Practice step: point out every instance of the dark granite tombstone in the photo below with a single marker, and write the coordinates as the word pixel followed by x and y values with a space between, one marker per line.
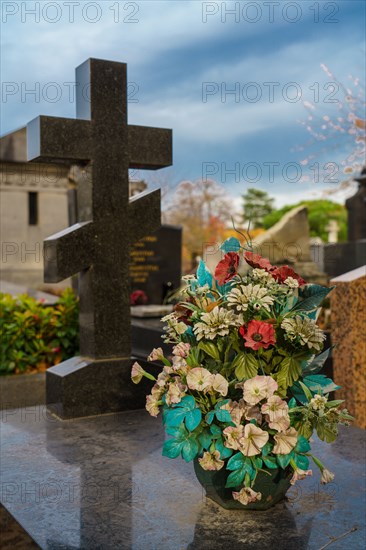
pixel 99 247
pixel 156 263
pixel 356 207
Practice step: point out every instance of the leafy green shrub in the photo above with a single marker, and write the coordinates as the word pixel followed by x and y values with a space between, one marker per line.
pixel 34 336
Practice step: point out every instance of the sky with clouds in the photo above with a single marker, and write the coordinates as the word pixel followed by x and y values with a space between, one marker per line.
pixel 230 79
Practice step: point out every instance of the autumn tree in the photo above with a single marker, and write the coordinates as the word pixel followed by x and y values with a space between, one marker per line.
pixel 203 209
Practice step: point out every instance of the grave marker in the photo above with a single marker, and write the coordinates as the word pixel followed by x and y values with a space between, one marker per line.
pixel 99 248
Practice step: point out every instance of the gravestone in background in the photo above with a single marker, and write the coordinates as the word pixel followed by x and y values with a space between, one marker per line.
pixel 156 263
pixel 98 247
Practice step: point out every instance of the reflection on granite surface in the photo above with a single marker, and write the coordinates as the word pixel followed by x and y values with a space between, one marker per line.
pixel 101 483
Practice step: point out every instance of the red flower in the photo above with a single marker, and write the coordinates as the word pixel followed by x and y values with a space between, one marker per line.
pixel 258 334
pixel 255 260
pixel 227 268
pixel 138 298
pixel 281 274
pixel 183 312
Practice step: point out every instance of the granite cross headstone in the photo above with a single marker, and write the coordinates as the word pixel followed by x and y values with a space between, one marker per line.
pixel 99 249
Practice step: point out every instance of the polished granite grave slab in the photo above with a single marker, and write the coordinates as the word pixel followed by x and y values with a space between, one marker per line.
pixel 101 483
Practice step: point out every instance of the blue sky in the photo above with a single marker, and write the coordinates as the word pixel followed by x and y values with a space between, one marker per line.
pixel 183 59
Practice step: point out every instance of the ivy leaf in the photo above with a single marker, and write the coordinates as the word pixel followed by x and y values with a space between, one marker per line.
pixel 270 462
pixel 301 461
pixel 302 445
pixel 292 403
pixel 236 478
pixel 312 296
pixel 190 449
pixel 205 439
pixel 284 460
pixel 246 366
pixel 222 415
pixel 235 462
pixel 173 417
pixel 193 419
pixel 172 448
pixel 230 245
pixel 257 462
pixel 225 452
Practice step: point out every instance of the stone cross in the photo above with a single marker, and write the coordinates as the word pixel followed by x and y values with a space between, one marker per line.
pixel 99 248
pixel 333 230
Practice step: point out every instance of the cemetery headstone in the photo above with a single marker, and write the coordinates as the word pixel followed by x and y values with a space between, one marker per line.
pixel 155 265
pixel 98 248
pixel 348 317
pixel 356 207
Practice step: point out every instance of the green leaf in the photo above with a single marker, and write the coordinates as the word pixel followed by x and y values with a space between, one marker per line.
pixel 214 429
pixel 193 419
pixel 236 478
pixel 257 462
pixel 210 416
pixel 302 445
pixel 292 403
pixel 312 296
pixel 188 403
pixel 225 452
pixel 246 366
pixel 316 364
pixel 210 349
pixel 270 462
pixel 316 381
pixel 222 415
pixel 236 462
pixel 205 439
pixel 174 417
pixel 172 448
pixel 288 372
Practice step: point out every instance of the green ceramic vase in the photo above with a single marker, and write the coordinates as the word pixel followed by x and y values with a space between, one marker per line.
pixel 273 487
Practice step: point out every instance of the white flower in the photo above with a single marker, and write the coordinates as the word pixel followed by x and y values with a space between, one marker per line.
pixel 263 276
pixel 189 277
pixel 220 384
pixel 179 363
pixel 258 388
pixel 243 296
pixel 174 328
pixel 246 495
pixel 211 461
pixel 290 282
pixel 199 379
pixel 253 440
pixel 216 323
pixel 285 442
pixel 327 476
pixel 305 330
pixel 318 402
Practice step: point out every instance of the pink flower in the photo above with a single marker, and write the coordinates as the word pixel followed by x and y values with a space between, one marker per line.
pixel 181 349
pixel 276 411
pixel 152 405
pixel 246 495
pixel 258 334
pixel 227 268
pixel 255 260
pixel 175 392
pixel 285 442
pixel 220 384
pixel 253 440
pixel 137 372
pixel 211 461
pixel 233 435
pixel 327 476
pixel 300 474
pixel 156 355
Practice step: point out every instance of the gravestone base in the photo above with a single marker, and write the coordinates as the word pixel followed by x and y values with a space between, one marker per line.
pixel 82 387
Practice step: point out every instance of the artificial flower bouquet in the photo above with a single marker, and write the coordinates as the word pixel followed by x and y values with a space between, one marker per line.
pixel 242 390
